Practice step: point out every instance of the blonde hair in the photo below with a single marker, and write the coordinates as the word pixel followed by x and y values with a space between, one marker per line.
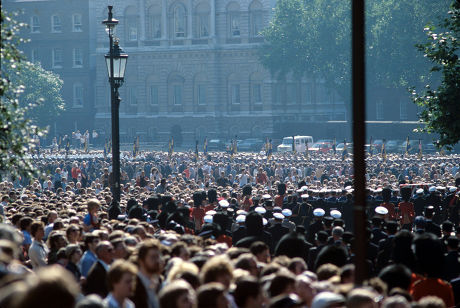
pixel 180 268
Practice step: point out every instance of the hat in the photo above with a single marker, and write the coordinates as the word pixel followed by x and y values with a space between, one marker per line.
pixel 241 212
pixel 264 221
pixel 336 214
pixel 286 212
pixel 452 189
pixel 224 203
pixel 266 196
pixel 211 213
pixel 260 210
pixel 277 209
pixel 326 299
pixel 278 216
pixel 304 196
pixel 240 218
pixel 432 189
pixel 381 210
pixel 208 218
pixel 419 191
pixel 319 212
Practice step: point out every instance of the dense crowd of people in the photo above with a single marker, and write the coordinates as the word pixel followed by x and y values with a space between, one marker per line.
pixel 229 230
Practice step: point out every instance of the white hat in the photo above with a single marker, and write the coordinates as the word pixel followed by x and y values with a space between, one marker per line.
pixel 319 212
pixel 286 212
pixel 266 196
pixel 381 210
pixel 224 203
pixel 304 188
pixel 278 216
pixel 419 191
pixel 240 218
pixel 241 212
pixel 440 187
pixel 326 299
pixel 452 189
pixel 207 218
pixel 260 210
pixel 378 190
pixel 304 196
pixel 264 221
pixel 336 214
pixel 300 190
pixel 432 189
pixel 211 213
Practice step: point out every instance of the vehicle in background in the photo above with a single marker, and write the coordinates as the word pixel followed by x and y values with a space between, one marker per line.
pixel 216 145
pixel 300 144
pixel 339 148
pixel 413 147
pixel 321 147
pixel 377 145
pixel 251 144
pixel 392 146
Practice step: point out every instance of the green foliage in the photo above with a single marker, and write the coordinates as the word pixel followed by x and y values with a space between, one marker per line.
pixel 15 128
pixel 441 106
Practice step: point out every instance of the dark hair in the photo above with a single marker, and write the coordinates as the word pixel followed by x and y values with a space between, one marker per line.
pixel 254 223
pixel 396 276
pixel 280 282
pixel 36 225
pixel 246 288
pixel 429 255
pixel 258 247
pixel 208 294
pixel 24 222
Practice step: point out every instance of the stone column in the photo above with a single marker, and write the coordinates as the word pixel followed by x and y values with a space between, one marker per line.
pixel 190 20
pixel 164 22
pixel 142 19
pixel 213 20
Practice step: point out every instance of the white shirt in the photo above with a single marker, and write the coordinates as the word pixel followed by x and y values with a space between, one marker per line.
pixel 111 302
pixel 38 254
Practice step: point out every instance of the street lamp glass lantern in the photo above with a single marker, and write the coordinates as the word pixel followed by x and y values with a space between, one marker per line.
pixel 119 62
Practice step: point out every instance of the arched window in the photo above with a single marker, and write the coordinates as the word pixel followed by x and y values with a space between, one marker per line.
pixel 179 21
pixel 256 87
pixel 202 20
pixel 200 89
pixel 233 19
pixel 234 88
pixel 154 21
pixel 175 90
pixel 131 24
pixel 255 18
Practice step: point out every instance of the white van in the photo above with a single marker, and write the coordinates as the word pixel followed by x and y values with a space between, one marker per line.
pixel 300 144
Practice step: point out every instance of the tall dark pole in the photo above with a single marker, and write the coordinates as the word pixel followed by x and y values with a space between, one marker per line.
pixel 359 133
pixel 115 104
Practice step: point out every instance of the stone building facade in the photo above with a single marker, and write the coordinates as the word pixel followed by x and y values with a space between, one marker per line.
pixel 193 68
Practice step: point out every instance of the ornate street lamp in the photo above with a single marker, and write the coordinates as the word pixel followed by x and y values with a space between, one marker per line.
pixel 116 65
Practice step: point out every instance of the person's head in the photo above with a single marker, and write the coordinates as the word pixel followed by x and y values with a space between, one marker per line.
pixel 362 298
pixel 73 253
pixel 93 206
pixel 177 294
pixel 431 302
pixel 91 241
pixel 396 276
pixel 149 257
pixel 217 269
pixel 297 266
pixel 248 293
pixel 104 251
pixel 120 278
pixel 180 250
pixel 248 262
pixel 305 289
pixel 347 273
pixel 212 295
pixel 429 254
pixel 396 301
pixel 25 223
pixel 282 283
pixel 328 299
pixel 37 230
pixel 261 251
pixel 91 301
pixel 72 233
pixel 119 248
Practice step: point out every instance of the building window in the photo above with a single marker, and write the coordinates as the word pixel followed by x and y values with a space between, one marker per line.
pixel 291 93
pixel 34 56
pixel 308 93
pixel 34 24
pixel 257 94
pixel 78 95
pixel 203 25
pixel 155 26
pixel 403 110
pixel 132 33
pixel 277 93
pixel 256 23
pixel 154 95
pixel 179 21
pixel 77 23
pixel 201 94
pixel 132 96
pixel 177 94
pixel 235 94
pixel 131 24
pixel 235 24
pixel 57 57
pixel 77 57
pixel 56 25
pixel 379 110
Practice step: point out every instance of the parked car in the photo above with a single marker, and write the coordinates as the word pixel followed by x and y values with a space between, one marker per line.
pixel 216 145
pixel 300 144
pixel 251 144
pixel 413 146
pixel 377 145
pixel 339 148
pixel 392 146
pixel 321 147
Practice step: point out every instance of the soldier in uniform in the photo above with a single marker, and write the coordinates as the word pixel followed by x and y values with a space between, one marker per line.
pixel 430 225
pixel 277 230
pixel 419 202
pixel 317 225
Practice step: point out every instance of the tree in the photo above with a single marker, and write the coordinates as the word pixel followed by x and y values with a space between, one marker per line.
pixel 16 131
pixel 441 106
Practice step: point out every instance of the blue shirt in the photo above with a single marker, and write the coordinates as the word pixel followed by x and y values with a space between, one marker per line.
pixel 27 238
pixel 86 262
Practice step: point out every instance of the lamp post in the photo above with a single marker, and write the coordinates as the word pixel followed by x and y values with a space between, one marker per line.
pixel 116 65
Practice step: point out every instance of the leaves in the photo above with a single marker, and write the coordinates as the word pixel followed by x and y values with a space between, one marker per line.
pixel 441 107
